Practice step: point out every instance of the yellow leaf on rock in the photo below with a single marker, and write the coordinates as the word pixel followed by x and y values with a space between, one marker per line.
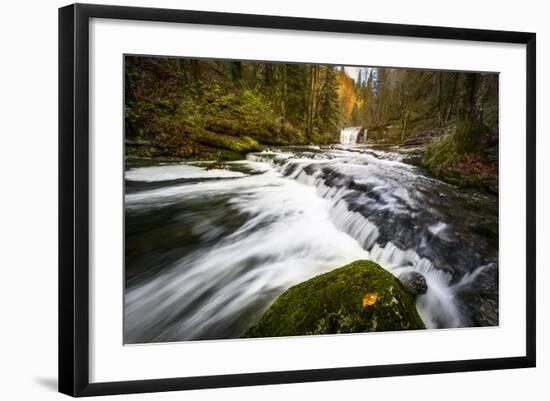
pixel 370 299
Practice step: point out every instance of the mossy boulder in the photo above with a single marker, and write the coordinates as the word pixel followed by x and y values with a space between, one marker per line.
pixel 359 297
pixel 242 144
pixel 467 136
pixel 441 155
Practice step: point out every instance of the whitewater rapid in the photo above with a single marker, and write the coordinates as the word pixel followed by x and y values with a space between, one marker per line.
pixel 209 247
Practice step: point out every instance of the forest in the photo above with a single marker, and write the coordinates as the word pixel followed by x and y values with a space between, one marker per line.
pixel 194 109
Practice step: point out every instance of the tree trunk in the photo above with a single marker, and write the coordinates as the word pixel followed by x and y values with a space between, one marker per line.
pixel 236 71
pixel 195 70
pixel 405 120
pixel 283 96
pixel 268 74
pixel 479 96
pixel 439 100
pixel 469 127
pixel 308 105
pixel 453 95
pixel 312 99
pixel 468 96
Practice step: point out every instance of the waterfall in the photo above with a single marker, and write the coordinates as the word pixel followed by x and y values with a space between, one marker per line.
pixel 348 136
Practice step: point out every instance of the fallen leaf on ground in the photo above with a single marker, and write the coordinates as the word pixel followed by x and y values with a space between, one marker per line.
pixel 370 299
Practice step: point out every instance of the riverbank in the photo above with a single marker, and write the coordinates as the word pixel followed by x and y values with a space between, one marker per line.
pixel 437 149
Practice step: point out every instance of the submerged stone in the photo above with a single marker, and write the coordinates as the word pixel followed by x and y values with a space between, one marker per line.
pixel 359 297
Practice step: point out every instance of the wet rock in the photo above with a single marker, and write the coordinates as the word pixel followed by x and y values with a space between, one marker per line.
pixel 414 282
pixel 478 294
pixel 359 297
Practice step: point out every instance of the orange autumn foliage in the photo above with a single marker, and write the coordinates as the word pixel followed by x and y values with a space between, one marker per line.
pixel 346 93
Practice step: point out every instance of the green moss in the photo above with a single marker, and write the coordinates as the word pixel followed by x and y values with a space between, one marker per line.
pixel 440 158
pixel 446 156
pixel 241 144
pixel 440 155
pixel 333 303
pixel 324 138
pixel 467 136
pixel 224 154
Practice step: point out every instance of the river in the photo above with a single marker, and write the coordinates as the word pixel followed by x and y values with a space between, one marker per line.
pixel 210 245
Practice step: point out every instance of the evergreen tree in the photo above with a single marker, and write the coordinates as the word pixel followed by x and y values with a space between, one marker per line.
pixel 329 110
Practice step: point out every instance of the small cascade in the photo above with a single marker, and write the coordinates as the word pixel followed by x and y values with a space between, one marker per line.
pixel 348 136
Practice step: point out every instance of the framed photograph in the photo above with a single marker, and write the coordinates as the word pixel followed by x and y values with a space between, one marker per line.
pixel 250 199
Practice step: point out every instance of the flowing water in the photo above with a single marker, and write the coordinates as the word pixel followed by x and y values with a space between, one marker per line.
pixel 348 136
pixel 210 246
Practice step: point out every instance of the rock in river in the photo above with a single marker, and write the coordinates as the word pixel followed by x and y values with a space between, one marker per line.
pixel 414 282
pixel 359 297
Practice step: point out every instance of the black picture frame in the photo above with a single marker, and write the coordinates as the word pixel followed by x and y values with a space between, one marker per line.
pixel 74 198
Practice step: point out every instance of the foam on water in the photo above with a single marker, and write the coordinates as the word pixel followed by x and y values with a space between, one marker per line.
pixel 176 171
pixel 288 238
